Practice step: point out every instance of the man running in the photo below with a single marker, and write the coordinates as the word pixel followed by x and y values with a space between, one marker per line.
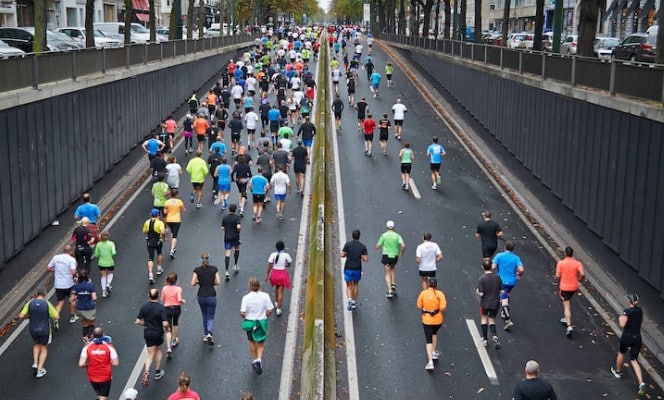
pixel 355 253
pixel 231 226
pixel 152 317
pixel 300 156
pixel 223 176
pixel 281 184
pixel 375 82
pixel 432 303
pixel 368 126
pixel 427 255
pixel 87 209
pixel 392 246
pixel 384 132
pixel 259 186
pixel 362 108
pixel 337 109
pixel 198 170
pixel 489 231
pixel 436 153
pixel 63 267
pixel 99 357
pixel 308 131
pixel 398 113
pixel 570 272
pixel 489 289
pixel 153 229
pixel 510 269
pixel 40 313
pixel 241 174
pixel 630 321
pixel 173 209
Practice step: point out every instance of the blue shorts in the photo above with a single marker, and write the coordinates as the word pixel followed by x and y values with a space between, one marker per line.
pixel 352 275
pixel 307 142
pixel 506 293
pixel 281 197
pixel 375 85
pixel 230 245
pixel 224 186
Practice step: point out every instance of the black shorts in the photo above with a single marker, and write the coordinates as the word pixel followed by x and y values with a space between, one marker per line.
pixel 108 269
pixel 351 91
pixel 175 228
pixel 566 295
pixel 428 274
pixel 274 126
pixel 242 188
pixel 405 168
pixel 235 137
pixel 200 138
pixel 258 198
pixel 152 250
pixel 337 115
pixel 430 331
pixel 488 252
pixel 221 125
pixel 152 341
pixel 101 388
pixel 398 122
pixel 434 166
pixel 197 185
pixel 368 138
pixel 387 260
pixel 62 294
pixel 299 168
pixel 41 339
pixel 491 313
pixel 631 342
pixel 383 136
pixel 388 76
pixel 173 315
pixel 251 131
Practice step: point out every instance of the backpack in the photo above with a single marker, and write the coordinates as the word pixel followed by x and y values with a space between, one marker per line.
pixel 152 238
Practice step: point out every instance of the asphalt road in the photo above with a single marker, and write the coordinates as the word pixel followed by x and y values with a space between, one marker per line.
pixel 388 336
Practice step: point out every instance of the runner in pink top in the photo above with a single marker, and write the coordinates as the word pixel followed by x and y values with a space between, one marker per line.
pixel 171 296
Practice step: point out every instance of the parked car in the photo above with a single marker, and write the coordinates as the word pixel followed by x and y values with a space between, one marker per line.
pixel 522 40
pixel 493 38
pixel 7 51
pixel 547 41
pixel 139 34
pixel 23 38
pixel 603 47
pixel 569 45
pixel 214 30
pixel 101 40
pixel 636 47
pixel 63 41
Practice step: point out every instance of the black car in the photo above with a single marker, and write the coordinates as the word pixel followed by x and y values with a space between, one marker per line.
pixel 23 38
pixel 636 47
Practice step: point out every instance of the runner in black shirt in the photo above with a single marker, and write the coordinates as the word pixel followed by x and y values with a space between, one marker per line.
pixel 362 109
pixel 240 175
pixel 489 288
pixel 533 388
pixel 489 231
pixel 231 226
pixel 355 253
pixel 630 321
pixel 152 316
pixel 300 155
pixel 337 109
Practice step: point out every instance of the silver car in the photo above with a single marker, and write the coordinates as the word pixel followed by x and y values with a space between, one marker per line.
pixel 7 51
pixel 569 44
pixel 101 40
pixel 603 47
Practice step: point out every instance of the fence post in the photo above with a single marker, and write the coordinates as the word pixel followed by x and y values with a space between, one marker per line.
pixel 145 54
pixel 161 51
pixel 127 48
pixel 543 65
pixel 501 57
pixel 35 71
pixel 472 51
pixel 74 70
pixel 486 54
pixel 103 60
pixel 521 62
pixel 460 49
pixel 573 71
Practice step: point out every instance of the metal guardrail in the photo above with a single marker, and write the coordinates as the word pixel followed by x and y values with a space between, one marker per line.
pixel 639 80
pixel 34 70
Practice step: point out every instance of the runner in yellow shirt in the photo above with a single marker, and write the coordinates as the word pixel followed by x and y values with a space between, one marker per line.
pixel 172 211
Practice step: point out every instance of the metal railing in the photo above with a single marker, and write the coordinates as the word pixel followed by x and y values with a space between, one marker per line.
pixel 34 70
pixel 638 80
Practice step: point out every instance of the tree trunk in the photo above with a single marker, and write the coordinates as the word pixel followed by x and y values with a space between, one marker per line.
pixel 174 23
pixel 153 25
pixel 506 21
pixel 478 21
pixel 190 20
pixel 127 21
pixel 588 11
pixel 39 43
pixel 659 52
pixel 402 18
pixel 89 19
pixel 539 25
pixel 428 6
pixel 462 20
pixel 201 18
pixel 448 19
pixel 436 27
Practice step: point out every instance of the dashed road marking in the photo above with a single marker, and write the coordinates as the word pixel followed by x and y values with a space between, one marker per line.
pixel 481 350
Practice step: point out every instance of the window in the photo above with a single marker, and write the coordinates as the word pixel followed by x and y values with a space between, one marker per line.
pixel 492 7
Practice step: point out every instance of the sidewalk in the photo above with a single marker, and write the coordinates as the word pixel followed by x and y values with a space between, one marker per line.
pixel 608 277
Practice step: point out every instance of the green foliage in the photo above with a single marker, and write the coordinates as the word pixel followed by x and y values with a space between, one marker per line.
pixel 351 10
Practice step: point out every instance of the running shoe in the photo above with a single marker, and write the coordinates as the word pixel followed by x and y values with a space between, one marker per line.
pixel 109 289
pixel 394 288
pixel 172 255
pixel 642 386
pixel 253 218
pixel 278 312
pixel 151 279
pixel 104 293
pixel 160 270
pixel 210 339
pixel 508 325
pixel 42 372
pixel 175 342
pixel 435 355
pixel 199 205
pixel 563 321
pixel 35 369
pixel 354 304
pixel 568 331
pixel 158 374
pixel 169 353
pixel 191 197
pixel 496 343
pixel 236 268
pixel 258 368
pixel 389 295
pixel 439 180
pixel 616 374
pixel 350 305
pixel 73 318
pixel 429 366
pixel 228 276
pixel 434 187
pixel 55 324
pixel 241 212
pixel 485 343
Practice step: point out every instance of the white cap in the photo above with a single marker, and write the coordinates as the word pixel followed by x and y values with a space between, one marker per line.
pixel 130 394
pixel 389 224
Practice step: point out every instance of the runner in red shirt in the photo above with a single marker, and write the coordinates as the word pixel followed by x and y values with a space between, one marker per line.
pixel 570 272
pixel 368 125
pixel 99 357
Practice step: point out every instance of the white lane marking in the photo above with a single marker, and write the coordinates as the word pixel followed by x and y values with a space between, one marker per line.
pixel 136 372
pixel 481 350
pixel 413 188
pixel 17 331
pixel 349 330
pixel 290 343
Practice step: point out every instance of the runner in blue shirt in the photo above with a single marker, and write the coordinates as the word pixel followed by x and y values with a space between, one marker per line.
pixel 259 187
pixel 223 175
pixel 375 82
pixel 87 209
pixel 219 144
pixel 510 269
pixel 152 146
pixel 273 116
pixel 436 153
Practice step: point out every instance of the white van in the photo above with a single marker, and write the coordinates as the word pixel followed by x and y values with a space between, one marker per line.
pixel 138 32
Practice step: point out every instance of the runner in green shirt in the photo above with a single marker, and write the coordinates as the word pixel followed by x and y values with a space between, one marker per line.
pixel 159 191
pixel 392 246
pixel 406 156
pixel 389 70
pixel 104 253
pixel 197 169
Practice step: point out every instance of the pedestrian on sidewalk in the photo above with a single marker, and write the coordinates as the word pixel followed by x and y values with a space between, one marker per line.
pixel 533 387
pixel 206 276
pixel 171 296
pixel 406 157
pixel 255 308
pixel 570 272
pixel 63 267
pixel 105 253
pixel 510 269
pixel 184 392
pixel 87 209
pixel 488 231
pixel 231 225
pixel 392 246
pixel 355 253
pixel 83 241
pixel 427 255
pixel 152 317
pixel 153 229
pixel 436 153
pixel 197 169
pixel 277 274
pixel 99 357
pixel 173 209
pixel 84 296
pixel 431 303
pixel 40 313
pixel 630 322
pixel 489 289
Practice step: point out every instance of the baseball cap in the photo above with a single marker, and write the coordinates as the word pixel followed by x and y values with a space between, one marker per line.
pixel 130 394
pixel 389 224
pixel 154 212
pixel 632 297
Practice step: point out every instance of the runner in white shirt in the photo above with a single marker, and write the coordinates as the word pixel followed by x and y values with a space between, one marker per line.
pixel 255 308
pixel 399 113
pixel 277 274
pixel 250 85
pixel 336 77
pixel 250 122
pixel 427 255
pixel 281 184
pixel 236 94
